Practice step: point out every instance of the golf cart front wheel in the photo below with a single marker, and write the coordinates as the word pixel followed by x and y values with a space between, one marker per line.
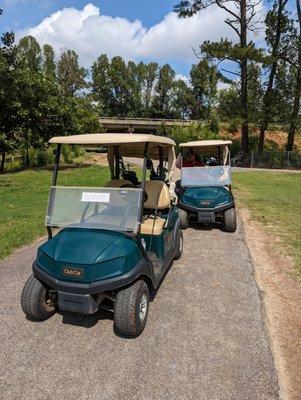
pixel 179 245
pixel 35 301
pixel 230 220
pixel 183 218
pixel 131 309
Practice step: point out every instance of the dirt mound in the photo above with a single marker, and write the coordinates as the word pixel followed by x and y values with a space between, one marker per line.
pixel 277 139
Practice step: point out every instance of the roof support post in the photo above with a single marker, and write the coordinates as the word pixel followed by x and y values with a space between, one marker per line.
pixel 117 166
pixel 143 180
pixel 56 164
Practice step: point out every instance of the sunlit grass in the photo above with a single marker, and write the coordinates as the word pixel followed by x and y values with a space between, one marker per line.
pixel 275 200
pixel 23 199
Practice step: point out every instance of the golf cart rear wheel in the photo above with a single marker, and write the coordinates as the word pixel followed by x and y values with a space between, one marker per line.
pixel 183 218
pixel 35 302
pixel 179 245
pixel 131 309
pixel 230 220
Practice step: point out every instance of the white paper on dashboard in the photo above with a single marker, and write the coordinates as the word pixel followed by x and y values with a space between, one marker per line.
pixel 96 197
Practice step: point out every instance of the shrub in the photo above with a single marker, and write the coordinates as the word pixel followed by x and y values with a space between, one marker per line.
pixel 43 157
pixel 13 166
pixel 190 133
pixel 234 125
pixel 67 154
pixel 72 153
pixel 213 124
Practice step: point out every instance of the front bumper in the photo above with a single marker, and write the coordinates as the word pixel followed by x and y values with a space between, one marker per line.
pixel 81 298
pixel 94 287
pixel 214 210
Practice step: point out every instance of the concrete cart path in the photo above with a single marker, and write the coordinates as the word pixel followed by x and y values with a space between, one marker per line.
pixel 205 337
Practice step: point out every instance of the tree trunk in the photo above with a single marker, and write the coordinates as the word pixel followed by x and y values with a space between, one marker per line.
pixel 244 79
pixel 267 96
pixel 3 154
pixel 295 112
pixel 296 107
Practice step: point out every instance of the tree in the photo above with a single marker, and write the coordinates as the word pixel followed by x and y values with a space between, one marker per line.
pixel 229 103
pixel 276 24
pixel 29 55
pixel 136 77
pixel 255 92
pixel 163 88
pixel 297 64
pixel 71 76
pixel 48 62
pixel 9 104
pixel 241 20
pixel 283 94
pixel 101 85
pixel 182 100
pixel 119 87
pixel 151 73
pixel 203 79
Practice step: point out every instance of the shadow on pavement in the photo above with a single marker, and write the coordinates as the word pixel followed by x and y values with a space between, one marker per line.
pixel 87 321
pixel 206 227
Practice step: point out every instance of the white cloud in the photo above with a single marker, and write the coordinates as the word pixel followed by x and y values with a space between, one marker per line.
pixel 182 77
pixel 90 34
pixel 223 85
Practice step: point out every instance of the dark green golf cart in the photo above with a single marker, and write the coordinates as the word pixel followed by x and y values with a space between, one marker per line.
pixel 113 243
pixel 204 191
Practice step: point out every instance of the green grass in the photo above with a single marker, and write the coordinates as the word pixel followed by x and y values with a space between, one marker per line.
pixel 23 199
pixel 274 200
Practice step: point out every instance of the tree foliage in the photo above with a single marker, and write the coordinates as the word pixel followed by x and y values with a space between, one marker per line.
pixel 43 94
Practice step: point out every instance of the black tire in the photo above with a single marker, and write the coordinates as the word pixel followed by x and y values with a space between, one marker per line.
pixel 127 317
pixel 230 224
pixel 183 218
pixel 34 300
pixel 179 245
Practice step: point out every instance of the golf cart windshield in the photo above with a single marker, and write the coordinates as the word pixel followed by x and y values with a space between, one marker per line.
pixel 205 163
pixel 206 176
pixel 96 208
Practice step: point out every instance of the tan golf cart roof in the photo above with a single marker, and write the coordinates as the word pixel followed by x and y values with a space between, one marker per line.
pixel 111 139
pixel 129 144
pixel 206 143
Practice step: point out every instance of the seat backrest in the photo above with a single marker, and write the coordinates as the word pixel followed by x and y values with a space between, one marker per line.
pixel 117 183
pixel 158 196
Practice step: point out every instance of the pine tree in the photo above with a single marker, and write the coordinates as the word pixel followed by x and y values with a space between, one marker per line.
pixel 241 19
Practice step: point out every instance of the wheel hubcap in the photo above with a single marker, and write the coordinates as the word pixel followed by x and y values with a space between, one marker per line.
pixel 181 244
pixel 143 307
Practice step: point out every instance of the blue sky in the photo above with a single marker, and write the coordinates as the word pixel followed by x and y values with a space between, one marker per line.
pixel 135 29
pixel 19 14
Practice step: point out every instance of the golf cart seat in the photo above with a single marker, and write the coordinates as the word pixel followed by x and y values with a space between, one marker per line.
pixel 158 198
pixel 117 183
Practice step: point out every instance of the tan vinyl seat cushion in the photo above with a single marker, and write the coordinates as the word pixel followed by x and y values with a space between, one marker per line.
pixel 117 183
pixel 158 196
pixel 148 226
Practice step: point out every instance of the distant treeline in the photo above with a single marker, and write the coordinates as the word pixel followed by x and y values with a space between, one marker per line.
pixel 41 96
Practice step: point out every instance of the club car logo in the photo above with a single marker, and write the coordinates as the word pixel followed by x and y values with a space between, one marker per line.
pixel 205 202
pixel 75 272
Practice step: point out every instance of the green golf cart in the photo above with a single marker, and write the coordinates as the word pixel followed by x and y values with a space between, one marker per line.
pixel 113 243
pixel 204 191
